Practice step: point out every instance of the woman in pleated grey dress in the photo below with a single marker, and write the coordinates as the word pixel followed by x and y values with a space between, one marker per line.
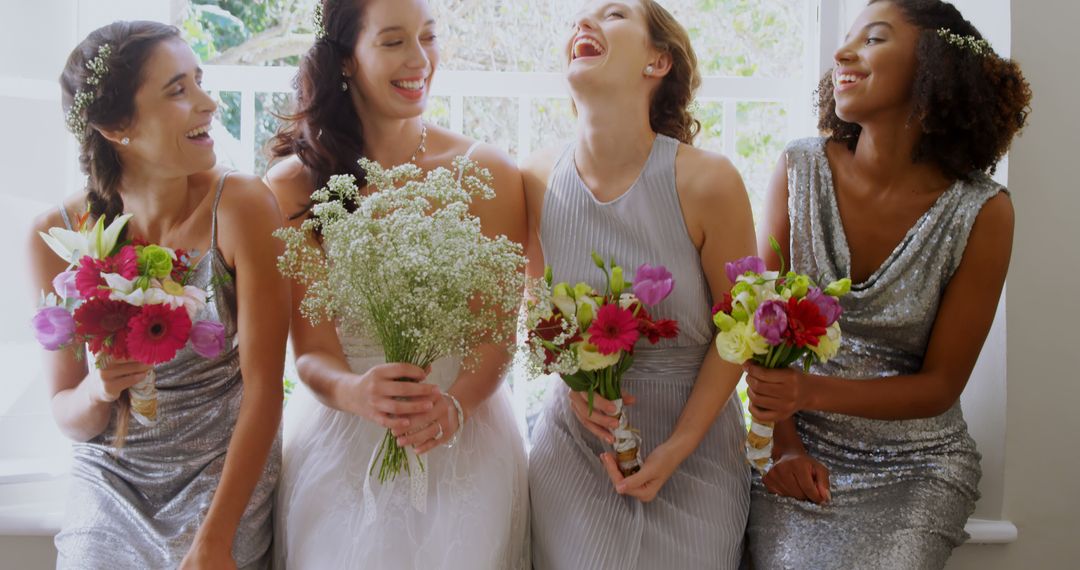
pixel 195 489
pixel 631 187
pixel 876 469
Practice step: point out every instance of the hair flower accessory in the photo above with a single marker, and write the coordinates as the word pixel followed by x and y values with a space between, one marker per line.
pixel 317 21
pixel 971 43
pixel 76 115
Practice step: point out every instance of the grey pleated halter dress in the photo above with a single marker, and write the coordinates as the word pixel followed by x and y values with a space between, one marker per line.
pixel 901 490
pixel 698 519
pixel 139 507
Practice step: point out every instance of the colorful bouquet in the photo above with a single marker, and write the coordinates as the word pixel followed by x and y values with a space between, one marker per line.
pixel 127 301
pixel 409 268
pixel 775 319
pixel 588 337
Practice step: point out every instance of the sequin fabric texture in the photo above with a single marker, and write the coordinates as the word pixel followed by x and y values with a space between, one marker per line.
pixel 901 490
pixel 140 507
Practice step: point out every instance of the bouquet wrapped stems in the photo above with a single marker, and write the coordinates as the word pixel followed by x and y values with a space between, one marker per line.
pixel 626 438
pixel 144 400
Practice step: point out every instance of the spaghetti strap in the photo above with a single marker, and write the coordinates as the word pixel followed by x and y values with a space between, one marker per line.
pixel 213 218
pixel 64 215
pixel 468 154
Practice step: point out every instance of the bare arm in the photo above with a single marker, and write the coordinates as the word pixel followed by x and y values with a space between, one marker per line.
pixel 504 215
pixel 717 211
pixel 960 327
pixel 320 360
pixel 82 398
pixel 248 216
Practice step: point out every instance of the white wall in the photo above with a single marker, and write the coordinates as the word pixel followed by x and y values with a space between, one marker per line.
pixel 1043 467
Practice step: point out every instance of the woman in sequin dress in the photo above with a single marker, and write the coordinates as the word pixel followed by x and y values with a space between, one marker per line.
pixel 195 490
pixel 876 468
pixel 363 87
pixel 632 186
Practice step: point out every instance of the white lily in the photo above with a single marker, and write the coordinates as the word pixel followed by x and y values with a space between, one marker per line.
pixel 98 242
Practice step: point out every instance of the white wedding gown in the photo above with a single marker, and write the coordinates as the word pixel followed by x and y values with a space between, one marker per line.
pixel 331 514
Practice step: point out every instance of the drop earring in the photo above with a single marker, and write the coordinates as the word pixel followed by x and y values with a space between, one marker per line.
pixel 344 82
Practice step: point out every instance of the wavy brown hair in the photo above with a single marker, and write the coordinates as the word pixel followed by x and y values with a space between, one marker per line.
pixel 113 107
pixel 669 111
pixel 968 106
pixel 324 131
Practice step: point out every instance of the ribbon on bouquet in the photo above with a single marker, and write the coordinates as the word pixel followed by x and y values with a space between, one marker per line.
pixel 626 440
pixel 418 487
pixel 759 444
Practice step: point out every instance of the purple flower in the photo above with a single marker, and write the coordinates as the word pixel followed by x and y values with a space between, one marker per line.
pixel 64 284
pixel 208 338
pixel 652 284
pixel 770 321
pixel 827 305
pixel 738 268
pixel 54 327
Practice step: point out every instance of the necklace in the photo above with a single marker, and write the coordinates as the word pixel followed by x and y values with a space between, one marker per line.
pixel 423 139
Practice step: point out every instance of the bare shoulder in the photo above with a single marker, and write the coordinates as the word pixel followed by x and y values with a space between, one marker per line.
pixel 291 183
pixel 707 179
pixel 74 205
pixel 539 164
pixel 246 201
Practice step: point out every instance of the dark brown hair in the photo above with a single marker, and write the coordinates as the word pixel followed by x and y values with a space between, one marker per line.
pixel 324 132
pixel 968 106
pixel 669 112
pixel 112 107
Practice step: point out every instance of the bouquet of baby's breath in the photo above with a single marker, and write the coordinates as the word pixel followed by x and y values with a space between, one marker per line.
pixel 409 268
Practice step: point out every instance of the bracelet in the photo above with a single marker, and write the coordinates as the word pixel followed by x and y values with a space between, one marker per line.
pixel 460 419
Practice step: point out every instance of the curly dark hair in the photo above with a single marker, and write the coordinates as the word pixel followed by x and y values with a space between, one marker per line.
pixel 969 106
pixel 324 132
pixel 113 106
pixel 669 112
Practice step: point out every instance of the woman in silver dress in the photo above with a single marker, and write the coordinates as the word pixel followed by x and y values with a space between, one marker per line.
pixel 876 468
pixel 632 186
pixel 195 490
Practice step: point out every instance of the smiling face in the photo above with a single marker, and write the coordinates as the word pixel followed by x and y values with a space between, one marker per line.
pixel 395 58
pixel 170 127
pixel 610 44
pixel 876 65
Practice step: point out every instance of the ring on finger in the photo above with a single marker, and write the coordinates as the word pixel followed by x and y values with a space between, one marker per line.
pixel 439 434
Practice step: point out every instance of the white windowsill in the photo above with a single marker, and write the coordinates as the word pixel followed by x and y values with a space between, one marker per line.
pixel 38 516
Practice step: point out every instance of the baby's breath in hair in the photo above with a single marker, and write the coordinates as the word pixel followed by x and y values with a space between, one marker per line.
pixel 317 21
pixel 971 43
pixel 76 115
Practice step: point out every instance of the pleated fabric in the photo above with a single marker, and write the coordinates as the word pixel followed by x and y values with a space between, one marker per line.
pixel 698 519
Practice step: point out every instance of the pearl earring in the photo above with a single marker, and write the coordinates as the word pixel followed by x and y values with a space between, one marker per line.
pixel 125 141
pixel 649 70
pixel 344 86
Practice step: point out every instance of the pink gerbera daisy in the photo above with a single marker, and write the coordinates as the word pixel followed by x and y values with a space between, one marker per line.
pixel 157 333
pixel 613 329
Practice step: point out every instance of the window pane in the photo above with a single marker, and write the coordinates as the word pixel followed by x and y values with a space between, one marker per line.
pixel 759 139
pixel 553 123
pixel 711 116
pixel 493 120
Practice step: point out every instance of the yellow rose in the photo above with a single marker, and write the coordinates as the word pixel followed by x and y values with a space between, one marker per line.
pixel 740 343
pixel 589 357
pixel 829 344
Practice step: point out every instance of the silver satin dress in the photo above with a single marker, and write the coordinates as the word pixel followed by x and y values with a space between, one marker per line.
pixel 698 519
pixel 139 508
pixel 901 490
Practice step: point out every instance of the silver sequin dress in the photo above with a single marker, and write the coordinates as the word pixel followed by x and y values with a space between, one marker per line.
pixel 698 519
pixel 140 508
pixel 901 490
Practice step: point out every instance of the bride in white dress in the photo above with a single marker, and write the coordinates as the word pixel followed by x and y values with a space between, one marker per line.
pixel 361 90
